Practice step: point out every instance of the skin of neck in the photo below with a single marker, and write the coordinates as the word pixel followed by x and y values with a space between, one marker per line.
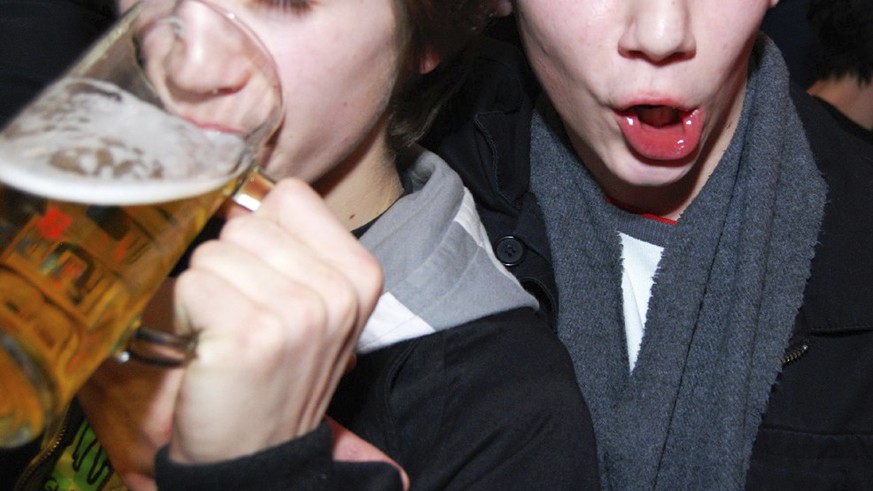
pixel 365 183
pixel 849 95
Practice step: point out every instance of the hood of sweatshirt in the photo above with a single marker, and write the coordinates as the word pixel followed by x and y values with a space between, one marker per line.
pixel 440 270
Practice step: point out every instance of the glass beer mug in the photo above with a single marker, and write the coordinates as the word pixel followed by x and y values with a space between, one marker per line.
pixel 106 178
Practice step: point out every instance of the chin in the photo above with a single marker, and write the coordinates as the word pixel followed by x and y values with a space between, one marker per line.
pixel 648 174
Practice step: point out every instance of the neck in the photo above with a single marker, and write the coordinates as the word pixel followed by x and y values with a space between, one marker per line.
pixel 849 96
pixel 364 184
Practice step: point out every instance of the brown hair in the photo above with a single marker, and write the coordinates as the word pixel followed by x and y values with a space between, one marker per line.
pixel 445 27
pixel 844 41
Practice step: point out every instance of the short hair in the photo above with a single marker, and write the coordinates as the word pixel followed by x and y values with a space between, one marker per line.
pixel 844 44
pixel 447 28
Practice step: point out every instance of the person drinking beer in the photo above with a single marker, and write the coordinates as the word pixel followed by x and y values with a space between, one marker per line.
pixel 447 367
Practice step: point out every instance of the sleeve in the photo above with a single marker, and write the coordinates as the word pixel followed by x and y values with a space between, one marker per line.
pixel 304 463
pixel 514 412
pixel 39 39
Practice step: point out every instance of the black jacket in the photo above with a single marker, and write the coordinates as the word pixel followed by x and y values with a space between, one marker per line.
pixel 458 378
pixel 39 39
pixel 433 405
pixel 818 430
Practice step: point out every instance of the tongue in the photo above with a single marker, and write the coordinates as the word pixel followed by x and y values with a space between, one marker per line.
pixel 660 132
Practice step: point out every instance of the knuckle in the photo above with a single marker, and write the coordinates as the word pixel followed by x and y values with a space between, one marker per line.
pixel 266 331
pixel 307 312
pixel 372 275
pixel 240 228
pixel 205 253
pixel 286 192
pixel 260 341
pixel 343 296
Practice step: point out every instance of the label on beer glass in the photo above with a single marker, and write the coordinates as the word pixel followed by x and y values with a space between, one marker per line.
pixel 100 192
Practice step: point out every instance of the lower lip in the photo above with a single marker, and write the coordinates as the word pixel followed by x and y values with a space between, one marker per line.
pixel 671 142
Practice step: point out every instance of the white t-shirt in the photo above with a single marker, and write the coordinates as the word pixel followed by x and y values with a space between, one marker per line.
pixel 643 239
pixel 639 260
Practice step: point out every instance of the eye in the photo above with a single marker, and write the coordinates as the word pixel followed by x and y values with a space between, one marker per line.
pixel 294 5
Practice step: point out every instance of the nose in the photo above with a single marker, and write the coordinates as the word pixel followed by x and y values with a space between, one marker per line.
pixel 206 65
pixel 658 30
pixel 208 54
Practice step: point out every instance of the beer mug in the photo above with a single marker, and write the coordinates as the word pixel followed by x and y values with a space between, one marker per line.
pixel 105 180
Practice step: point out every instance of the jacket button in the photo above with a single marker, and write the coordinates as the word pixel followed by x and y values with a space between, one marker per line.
pixel 509 250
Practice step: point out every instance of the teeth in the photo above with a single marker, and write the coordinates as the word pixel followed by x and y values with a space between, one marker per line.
pixel 658 116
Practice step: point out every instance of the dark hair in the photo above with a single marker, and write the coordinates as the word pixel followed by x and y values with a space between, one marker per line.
pixel 446 27
pixel 844 45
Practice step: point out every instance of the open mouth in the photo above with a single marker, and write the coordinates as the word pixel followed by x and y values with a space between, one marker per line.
pixel 658 116
pixel 661 132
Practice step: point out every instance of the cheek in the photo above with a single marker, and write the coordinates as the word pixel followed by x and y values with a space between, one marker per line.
pixel 572 48
pixel 337 68
pixel 730 24
pixel 724 64
pixel 329 110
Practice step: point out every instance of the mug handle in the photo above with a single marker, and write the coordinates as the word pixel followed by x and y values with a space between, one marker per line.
pixel 166 349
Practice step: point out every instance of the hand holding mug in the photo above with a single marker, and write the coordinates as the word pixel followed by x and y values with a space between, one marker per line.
pixel 104 181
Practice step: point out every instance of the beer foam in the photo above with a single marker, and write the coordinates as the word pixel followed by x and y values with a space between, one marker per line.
pixel 88 141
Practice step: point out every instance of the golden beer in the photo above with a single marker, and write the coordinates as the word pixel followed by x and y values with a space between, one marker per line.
pixel 90 225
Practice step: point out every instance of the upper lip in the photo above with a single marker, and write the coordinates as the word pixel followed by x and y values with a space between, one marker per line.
pixel 652 102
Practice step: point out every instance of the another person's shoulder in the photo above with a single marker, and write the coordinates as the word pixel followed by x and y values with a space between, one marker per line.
pixel 838 295
pixel 516 343
pixel 835 149
pixel 515 349
pixel 461 407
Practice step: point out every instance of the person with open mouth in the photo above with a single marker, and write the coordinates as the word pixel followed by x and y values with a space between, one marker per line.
pixel 699 229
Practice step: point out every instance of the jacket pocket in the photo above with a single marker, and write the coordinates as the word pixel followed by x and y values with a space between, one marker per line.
pixel 790 460
pixel 817 432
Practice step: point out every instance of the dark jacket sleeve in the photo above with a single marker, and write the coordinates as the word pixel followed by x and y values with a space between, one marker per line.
pixel 39 39
pixel 490 405
pixel 302 464
pixel 817 432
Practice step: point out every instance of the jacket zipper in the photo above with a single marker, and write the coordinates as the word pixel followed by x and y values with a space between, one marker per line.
pixel 795 352
pixel 48 451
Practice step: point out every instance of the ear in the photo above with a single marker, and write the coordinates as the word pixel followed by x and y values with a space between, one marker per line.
pixel 502 8
pixel 429 61
pixel 773 3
